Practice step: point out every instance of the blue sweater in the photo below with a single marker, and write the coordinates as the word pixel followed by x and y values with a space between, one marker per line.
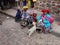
pixel 18 14
pixel 45 21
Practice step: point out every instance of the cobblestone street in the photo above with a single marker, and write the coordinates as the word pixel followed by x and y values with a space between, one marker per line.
pixel 12 34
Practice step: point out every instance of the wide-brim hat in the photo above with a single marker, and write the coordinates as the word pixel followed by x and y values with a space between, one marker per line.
pixel 25 7
pixel 44 10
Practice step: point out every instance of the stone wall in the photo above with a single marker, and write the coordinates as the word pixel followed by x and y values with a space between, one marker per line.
pixel 53 5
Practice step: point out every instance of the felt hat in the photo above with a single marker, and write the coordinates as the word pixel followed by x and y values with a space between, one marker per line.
pixel 44 10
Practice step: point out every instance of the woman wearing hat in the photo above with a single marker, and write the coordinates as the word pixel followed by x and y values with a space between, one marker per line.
pixel 46 23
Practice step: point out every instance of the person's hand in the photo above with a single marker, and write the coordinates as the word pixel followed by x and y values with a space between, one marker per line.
pixel 40 20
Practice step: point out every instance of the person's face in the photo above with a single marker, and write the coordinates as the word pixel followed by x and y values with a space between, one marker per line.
pixel 34 13
pixel 44 13
pixel 25 9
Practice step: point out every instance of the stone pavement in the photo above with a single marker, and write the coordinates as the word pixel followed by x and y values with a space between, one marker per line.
pixel 12 13
pixel 12 34
pixel 56 27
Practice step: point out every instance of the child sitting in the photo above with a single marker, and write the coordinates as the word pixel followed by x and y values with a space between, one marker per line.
pixel 18 15
pixel 24 15
pixel 34 17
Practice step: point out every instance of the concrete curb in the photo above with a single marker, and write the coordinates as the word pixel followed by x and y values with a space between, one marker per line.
pixel 53 32
pixel 7 14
